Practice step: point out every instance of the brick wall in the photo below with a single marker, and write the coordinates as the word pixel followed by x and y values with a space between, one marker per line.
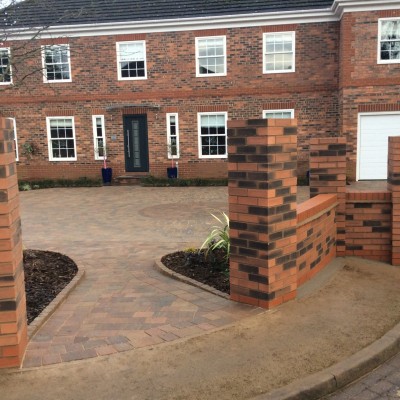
pixel 262 211
pixel 369 225
pixel 316 235
pixel 173 87
pixel 13 325
pixel 328 175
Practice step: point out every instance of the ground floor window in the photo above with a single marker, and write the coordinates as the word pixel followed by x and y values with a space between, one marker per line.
pixel 212 134
pixel 99 137
pixel 61 138
pixel 279 114
pixel 14 127
pixel 173 135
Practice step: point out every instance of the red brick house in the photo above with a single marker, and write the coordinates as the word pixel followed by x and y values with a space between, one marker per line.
pixel 139 75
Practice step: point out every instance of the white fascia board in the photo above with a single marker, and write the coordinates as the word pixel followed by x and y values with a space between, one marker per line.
pixel 333 13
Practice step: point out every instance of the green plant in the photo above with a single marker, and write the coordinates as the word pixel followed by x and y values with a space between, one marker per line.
pixel 218 238
pixel 29 149
pixel 25 187
pixel 161 182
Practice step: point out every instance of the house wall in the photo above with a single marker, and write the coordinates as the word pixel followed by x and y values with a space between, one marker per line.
pixel 172 86
pixel 365 85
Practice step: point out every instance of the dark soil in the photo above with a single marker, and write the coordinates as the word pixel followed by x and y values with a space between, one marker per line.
pixel 46 274
pixel 212 270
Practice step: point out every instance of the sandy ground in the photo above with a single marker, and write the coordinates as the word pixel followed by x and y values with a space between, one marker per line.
pixel 355 307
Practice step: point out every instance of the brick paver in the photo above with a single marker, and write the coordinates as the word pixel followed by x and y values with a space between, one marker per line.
pixel 381 384
pixel 115 233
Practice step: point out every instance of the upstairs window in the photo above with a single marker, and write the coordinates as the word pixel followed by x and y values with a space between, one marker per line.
pixel 278 114
pixel 131 58
pixel 211 56
pixel 56 63
pixel 99 137
pixel 173 135
pixel 5 67
pixel 212 135
pixel 389 41
pixel 279 52
pixel 61 138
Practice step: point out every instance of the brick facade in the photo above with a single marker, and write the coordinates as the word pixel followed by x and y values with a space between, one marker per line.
pixel 13 324
pixel 172 86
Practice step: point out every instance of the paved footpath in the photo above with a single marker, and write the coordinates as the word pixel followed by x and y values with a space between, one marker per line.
pixel 115 233
pixel 382 383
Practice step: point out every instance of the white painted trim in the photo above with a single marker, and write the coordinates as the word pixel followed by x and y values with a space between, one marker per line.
pixel 15 138
pixel 9 58
pixel 168 117
pixel 282 71
pixel 359 134
pixel 95 137
pixel 291 110
pixel 379 42
pixel 140 78
pixel 198 74
pixel 199 114
pixel 45 68
pixel 51 158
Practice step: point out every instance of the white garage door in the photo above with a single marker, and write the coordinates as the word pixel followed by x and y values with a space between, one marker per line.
pixel 374 131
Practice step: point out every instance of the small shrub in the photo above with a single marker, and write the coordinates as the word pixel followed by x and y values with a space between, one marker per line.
pixel 163 182
pixel 217 244
pixel 53 183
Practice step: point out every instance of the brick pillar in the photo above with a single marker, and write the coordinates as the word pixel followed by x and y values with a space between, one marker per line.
pixel 262 167
pixel 13 324
pixel 393 183
pixel 328 175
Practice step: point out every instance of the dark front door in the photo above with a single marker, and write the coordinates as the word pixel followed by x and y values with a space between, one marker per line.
pixel 136 144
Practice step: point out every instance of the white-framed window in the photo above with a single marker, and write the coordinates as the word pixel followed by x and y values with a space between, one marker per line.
pixel 279 52
pixel 389 40
pixel 56 63
pixel 211 56
pixel 15 138
pixel 61 138
pixel 5 66
pixel 173 135
pixel 212 134
pixel 280 114
pixel 99 137
pixel 131 59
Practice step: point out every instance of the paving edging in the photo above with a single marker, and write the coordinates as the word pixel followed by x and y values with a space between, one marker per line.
pixel 38 322
pixel 341 374
pixel 159 266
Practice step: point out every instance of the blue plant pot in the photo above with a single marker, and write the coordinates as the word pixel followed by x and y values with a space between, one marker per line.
pixel 172 173
pixel 107 175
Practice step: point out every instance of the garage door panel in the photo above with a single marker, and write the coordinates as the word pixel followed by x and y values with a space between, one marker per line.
pixel 374 132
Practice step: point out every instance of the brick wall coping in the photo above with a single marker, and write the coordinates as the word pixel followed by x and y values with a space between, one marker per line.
pixel 382 197
pixel 315 207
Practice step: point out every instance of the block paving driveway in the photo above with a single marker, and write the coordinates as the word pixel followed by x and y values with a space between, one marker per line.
pixel 115 233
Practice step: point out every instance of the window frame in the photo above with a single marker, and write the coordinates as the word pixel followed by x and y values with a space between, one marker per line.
pixel 264 53
pixel 198 39
pixel 291 110
pixel 15 138
pixel 379 60
pixel 49 139
pixel 120 77
pixel 95 137
pixel 168 117
pixel 199 136
pixel 44 64
pixel 8 49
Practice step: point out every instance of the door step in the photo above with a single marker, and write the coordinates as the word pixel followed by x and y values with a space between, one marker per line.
pixel 128 180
